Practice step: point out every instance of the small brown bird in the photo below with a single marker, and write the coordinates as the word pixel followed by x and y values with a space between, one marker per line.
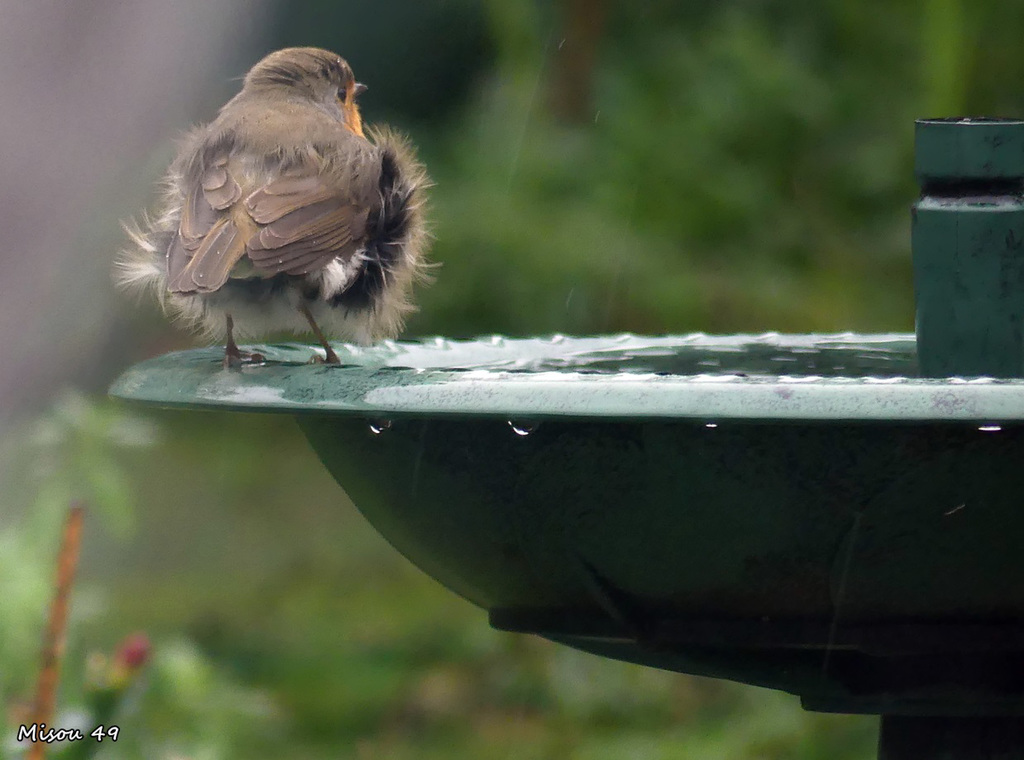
pixel 281 215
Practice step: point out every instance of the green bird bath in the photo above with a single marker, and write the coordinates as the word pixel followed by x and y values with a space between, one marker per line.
pixel 838 516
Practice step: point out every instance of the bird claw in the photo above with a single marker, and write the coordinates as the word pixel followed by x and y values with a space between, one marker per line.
pixel 331 358
pixel 235 359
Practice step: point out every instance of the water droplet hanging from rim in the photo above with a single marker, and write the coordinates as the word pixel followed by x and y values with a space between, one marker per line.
pixel 379 426
pixel 522 428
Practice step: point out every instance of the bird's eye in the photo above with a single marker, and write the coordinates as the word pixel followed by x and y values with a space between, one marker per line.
pixel 342 94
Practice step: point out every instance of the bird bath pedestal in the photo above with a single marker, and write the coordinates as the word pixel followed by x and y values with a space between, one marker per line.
pixel 838 516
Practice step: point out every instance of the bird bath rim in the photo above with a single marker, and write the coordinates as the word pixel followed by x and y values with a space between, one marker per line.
pixel 768 377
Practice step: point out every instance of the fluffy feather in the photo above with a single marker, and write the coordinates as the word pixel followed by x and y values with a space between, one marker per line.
pixel 356 280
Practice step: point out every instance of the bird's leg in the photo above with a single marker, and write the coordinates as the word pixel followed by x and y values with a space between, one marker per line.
pixel 332 358
pixel 233 357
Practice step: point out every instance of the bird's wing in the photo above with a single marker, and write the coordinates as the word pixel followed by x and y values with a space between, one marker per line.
pixel 304 224
pixel 210 238
pixel 293 224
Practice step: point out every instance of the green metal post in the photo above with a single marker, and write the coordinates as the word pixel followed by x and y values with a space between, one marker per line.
pixel 968 243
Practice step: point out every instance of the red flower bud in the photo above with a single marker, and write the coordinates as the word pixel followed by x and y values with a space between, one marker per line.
pixel 133 651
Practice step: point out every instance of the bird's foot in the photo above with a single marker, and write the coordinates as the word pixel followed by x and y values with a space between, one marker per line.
pixel 331 357
pixel 235 359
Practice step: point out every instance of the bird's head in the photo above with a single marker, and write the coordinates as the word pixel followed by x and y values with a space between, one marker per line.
pixel 319 75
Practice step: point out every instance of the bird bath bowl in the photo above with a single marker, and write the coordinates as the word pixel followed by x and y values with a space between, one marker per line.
pixel 837 516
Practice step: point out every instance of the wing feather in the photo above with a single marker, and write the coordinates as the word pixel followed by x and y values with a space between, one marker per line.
pixel 295 224
pixel 212 262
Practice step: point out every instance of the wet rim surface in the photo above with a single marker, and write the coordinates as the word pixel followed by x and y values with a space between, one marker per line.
pixel 740 377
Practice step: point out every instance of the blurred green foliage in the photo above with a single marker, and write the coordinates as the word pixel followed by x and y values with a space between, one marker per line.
pixel 68 453
pixel 601 166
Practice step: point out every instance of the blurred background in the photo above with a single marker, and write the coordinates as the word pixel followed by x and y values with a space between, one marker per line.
pixel 600 166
